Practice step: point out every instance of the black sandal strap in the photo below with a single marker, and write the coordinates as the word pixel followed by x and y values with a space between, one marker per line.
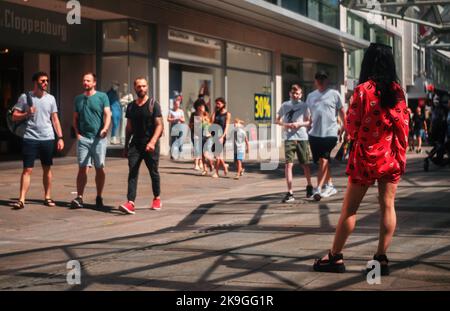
pixel 336 257
pixel 381 258
pixel 18 205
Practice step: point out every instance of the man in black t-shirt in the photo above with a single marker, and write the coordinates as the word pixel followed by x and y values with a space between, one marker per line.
pixel 144 128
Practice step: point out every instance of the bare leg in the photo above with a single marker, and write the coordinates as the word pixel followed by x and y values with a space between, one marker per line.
pixel 307 172
pixel 288 174
pixel 82 180
pixel 352 199
pixel 239 167
pixel 47 181
pixel 25 180
pixel 100 177
pixel 323 172
pixel 220 162
pixel 388 220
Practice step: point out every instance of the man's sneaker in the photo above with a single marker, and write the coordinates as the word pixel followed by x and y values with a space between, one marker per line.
pixel 127 208
pixel 329 191
pixel 76 203
pixel 156 204
pixel 309 191
pixel 99 202
pixel 289 197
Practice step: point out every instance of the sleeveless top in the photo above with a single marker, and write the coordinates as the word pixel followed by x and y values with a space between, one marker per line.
pixel 221 119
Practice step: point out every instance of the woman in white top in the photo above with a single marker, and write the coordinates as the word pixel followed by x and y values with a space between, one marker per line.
pixel 176 116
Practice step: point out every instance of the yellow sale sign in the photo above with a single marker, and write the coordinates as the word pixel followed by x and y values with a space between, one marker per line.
pixel 263 107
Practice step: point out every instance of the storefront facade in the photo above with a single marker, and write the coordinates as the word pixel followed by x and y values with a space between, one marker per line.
pixel 182 48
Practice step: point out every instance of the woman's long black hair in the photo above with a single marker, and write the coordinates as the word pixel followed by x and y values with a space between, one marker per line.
pixel 378 65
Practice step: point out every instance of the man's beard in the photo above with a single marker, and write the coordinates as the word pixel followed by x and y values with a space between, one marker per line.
pixel 88 89
pixel 42 88
pixel 141 94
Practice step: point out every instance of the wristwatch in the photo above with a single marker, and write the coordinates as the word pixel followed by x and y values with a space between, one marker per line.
pixel 60 137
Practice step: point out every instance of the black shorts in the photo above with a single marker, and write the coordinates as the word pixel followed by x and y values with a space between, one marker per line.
pixel 321 147
pixel 33 149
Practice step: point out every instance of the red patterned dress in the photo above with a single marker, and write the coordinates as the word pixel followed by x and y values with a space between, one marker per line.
pixel 379 136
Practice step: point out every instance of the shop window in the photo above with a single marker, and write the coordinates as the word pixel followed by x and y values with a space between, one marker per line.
pixel 125 56
pixel 115 36
pixel 194 82
pixel 194 48
pixel 139 37
pixel 245 57
pixel 243 87
pixel 295 6
pixel 292 73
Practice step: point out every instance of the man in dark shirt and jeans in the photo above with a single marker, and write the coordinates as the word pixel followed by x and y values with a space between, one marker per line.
pixel 144 126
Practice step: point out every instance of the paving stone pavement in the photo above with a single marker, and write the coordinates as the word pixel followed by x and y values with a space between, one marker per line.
pixel 217 234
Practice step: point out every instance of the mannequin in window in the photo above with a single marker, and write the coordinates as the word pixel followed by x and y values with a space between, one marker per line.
pixel 116 110
pixel 203 94
pixel 125 98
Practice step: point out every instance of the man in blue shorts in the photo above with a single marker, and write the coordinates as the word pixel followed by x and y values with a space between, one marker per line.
pixel 91 121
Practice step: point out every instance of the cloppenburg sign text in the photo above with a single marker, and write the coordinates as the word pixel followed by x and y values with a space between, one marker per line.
pixel 24 26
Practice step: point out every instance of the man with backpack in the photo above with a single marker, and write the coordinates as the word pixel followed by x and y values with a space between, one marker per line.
pixel 144 128
pixel 37 114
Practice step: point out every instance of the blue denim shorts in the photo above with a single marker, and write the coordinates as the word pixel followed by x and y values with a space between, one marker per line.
pixel 91 150
pixel 239 156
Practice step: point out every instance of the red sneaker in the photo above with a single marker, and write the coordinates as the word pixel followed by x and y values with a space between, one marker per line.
pixel 127 208
pixel 156 205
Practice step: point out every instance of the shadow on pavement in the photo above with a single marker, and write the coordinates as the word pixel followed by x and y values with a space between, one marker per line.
pixel 242 260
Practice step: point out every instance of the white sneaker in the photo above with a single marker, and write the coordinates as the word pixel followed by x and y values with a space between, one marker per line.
pixel 329 191
pixel 317 195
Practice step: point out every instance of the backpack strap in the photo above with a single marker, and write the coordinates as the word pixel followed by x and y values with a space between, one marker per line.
pixel 29 99
pixel 151 105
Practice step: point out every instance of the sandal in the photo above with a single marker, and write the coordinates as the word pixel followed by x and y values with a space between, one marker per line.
pixel 384 264
pixel 49 202
pixel 330 264
pixel 18 205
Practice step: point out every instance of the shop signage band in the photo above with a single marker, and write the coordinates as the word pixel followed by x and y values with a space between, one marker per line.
pixel 26 27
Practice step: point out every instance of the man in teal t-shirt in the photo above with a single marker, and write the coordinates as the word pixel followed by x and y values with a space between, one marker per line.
pixel 91 121
pixel 91 113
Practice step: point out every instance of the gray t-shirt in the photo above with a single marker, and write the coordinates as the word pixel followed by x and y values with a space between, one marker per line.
pixel 38 127
pixel 324 111
pixel 294 112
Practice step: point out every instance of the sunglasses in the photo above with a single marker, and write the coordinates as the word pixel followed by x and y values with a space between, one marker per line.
pixel 43 81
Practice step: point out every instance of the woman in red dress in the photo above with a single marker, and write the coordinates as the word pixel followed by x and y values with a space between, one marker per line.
pixel 377 125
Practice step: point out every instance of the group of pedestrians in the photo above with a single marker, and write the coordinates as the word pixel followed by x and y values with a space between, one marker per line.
pixel 91 122
pixel 314 125
pixel 209 135
pixel 376 125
